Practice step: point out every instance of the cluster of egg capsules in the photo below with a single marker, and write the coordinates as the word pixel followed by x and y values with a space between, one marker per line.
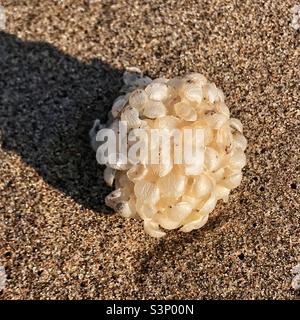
pixel 169 195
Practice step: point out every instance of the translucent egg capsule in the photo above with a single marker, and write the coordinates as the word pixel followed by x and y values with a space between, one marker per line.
pixel 172 195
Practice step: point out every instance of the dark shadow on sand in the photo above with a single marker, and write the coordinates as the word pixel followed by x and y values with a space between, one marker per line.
pixel 48 101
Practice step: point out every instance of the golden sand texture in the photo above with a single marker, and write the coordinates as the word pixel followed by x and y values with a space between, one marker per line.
pixel 61 64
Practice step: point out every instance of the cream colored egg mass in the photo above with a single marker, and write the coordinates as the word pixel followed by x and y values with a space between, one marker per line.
pixel 171 196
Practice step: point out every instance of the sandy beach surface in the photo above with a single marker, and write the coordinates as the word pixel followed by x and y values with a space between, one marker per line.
pixel 61 66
